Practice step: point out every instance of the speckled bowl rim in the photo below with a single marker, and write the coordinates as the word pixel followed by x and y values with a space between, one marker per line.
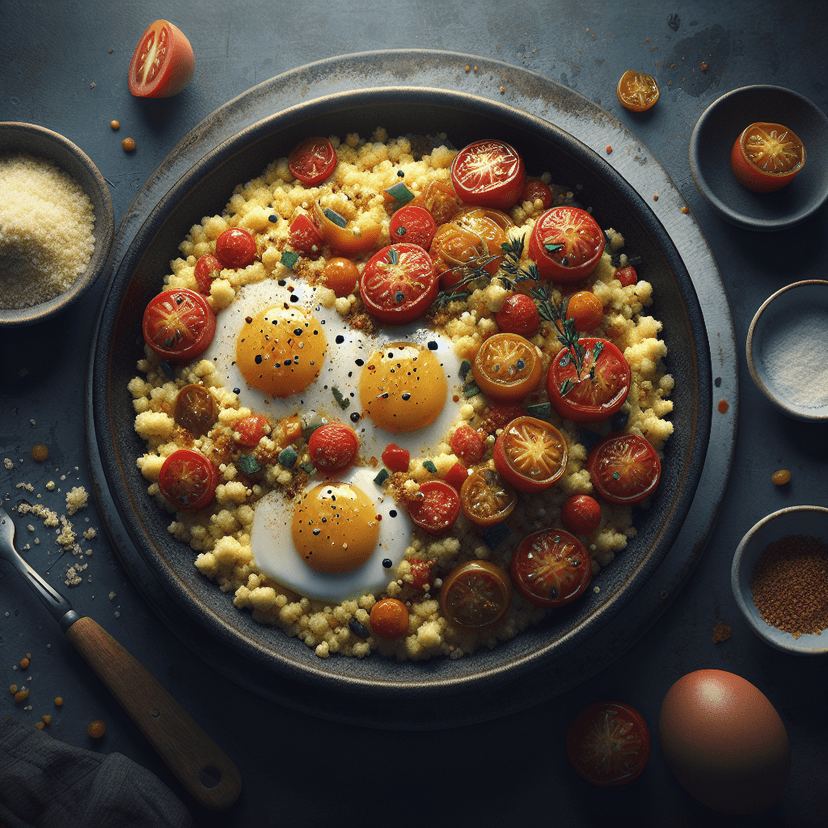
pixel 744 559
pixel 45 143
pixel 754 342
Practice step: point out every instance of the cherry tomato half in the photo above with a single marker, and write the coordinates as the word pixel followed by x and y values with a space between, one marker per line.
pixel 439 199
pixel 637 91
pixel 340 275
pixel 333 447
pixel 507 367
pixel 399 284
pixel 162 63
pixel 389 618
pixel 475 595
pixel 249 430
pixel 766 157
pixel 414 225
pixel 624 468
pixel 455 249
pixel 235 248
pixel 305 236
pixel 179 324
pixel 519 315
pixel 551 568
pixel 598 391
pixel 626 275
pixel 584 308
pixel 188 479
pixel 436 507
pixel 486 498
pixel 535 190
pixel 530 454
pixel 608 743
pixel 195 409
pixel 566 243
pixel 581 514
pixel 488 173
pixel 207 268
pixel 467 444
pixel 312 161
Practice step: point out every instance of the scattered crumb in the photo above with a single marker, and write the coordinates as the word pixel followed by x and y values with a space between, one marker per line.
pixel 76 499
pixel 721 632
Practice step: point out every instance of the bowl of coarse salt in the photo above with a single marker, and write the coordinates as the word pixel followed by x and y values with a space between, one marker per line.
pixel 56 223
pixel 786 346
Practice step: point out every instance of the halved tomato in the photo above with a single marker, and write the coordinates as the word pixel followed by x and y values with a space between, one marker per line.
pixel 551 568
pixel 439 199
pixel 187 479
pixel 454 251
pixel 637 91
pixel 475 595
pixel 236 248
pixel 162 63
pixel 342 239
pixel 507 367
pixel 566 243
pixel 195 409
pixel 624 468
pixel 179 324
pixel 766 157
pixel 488 173
pixel 249 430
pixel 305 236
pixel 486 498
pixel 436 507
pixel 312 161
pixel 412 224
pixel 530 454
pixel 596 392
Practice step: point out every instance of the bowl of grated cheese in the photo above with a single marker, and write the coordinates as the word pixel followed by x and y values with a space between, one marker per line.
pixel 56 223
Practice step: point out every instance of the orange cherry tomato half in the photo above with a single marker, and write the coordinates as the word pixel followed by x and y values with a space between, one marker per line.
pixel 340 275
pixel 566 243
pixel 491 225
pixel 439 199
pixel 488 173
pixel 195 409
pixel 598 391
pixel 344 240
pixel 486 498
pixel 436 507
pixel 581 514
pixel 624 468
pixel 333 447
pixel 179 324
pixel 507 367
pixel 475 595
pixel 312 161
pixel 207 268
pixel 187 479
pixel 637 91
pixel 455 250
pixel 249 430
pixel 389 618
pixel 584 308
pixel 414 225
pixel 551 568
pixel 399 284
pixel 519 315
pixel 530 454
pixel 608 744
pixel 162 63
pixel 766 157
pixel 236 248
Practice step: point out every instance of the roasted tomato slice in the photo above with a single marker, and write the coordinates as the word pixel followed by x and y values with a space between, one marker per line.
pixel 188 479
pixel 162 63
pixel 475 595
pixel 624 468
pixel 312 161
pixel 179 324
pixel 486 498
pixel 551 568
pixel 436 507
pixel 637 91
pixel 530 454
pixel 766 157
pixel 566 243
pixel 195 409
pixel 488 173
pixel 414 225
pixel 399 283
pixel 348 241
pixel 507 367
pixel 595 392
pixel 439 199
pixel 608 743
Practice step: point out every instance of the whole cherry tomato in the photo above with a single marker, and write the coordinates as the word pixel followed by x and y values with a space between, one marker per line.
pixel 187 479
pixel 488 173
pixel 249 430
pixel 207 268
pixel 626 275
pixel 637 91
pixel 467 444
pixel 584 308
pixel 624 468
pixel 162 63
pixel 235 248
pixel 195 409
pixel 436 507
pixel 530 454
pixel 341 275
pixel 475 595
pixel 566 243
pixel 507 367
pixel 519 315
pixel 486 498
pixel 333 447
pixel 305 236
pixel 414 225
pixel 396 459
pixel 312 161
pixel 535 190
pixel 389 618
pixel 581 514
pixel 179 324
pixel 766 157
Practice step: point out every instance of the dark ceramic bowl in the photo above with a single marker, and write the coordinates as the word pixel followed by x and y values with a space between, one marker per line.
pixel 204 190
pixel 712 140
pixel 43 143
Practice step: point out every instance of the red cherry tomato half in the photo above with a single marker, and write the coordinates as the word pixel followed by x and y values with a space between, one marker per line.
pixel 581 514
pixel 235 248
pixel 475 595
pixel 467 444
pixel 626 275
pixel 179 324
pixel 551 568
pixel 249 430
pixel 585 310
pixel 507 367
pixel 765 157
pixel 530 454
pixel 399 283
pixel 519 315
pixel 195 409
pixel 624 468
pixel 608 743
pixel 488 173
pixel 486 498
pixel 566 243
pixel 333 447
pixel 162 63
pixel 598 391
pixel 188 479
pixel 312 161
pixel 396 459
pixel 414 225
pixel 207 268
pixel 305 236
pixel 535 190
pixel 389 618
pixel 436 507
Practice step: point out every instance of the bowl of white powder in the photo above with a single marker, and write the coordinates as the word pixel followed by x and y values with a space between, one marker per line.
pixel 56 223
pixel 787 344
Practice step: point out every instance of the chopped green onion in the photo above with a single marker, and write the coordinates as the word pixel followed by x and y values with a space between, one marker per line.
pixel 338 220
pixel 465 367
pixel 429 466
pixel 288 457
pixel 471 390
pixel 400 193
pixel 308 467
pixel 248 464
pixel 382 476
pixel 289 259
pixel 539 409
pixel 342 401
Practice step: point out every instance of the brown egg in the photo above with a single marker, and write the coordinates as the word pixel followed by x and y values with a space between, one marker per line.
pixel 725 742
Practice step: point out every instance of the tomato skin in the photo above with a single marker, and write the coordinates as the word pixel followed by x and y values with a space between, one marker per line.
pixel 507 367
pixel 608 744
pixel 249 430
pixel 188 479
pixel 530 454
pixel 162 63
pixel 486 498
pixel 601 389
pixel 534 190
pixel 624 468
pixel 341 275
pixel 305 236
pixel 585 309
pixel 414 225
pixel 389 619
pixel 581 514
pixel 333 447
pixel 342 240
pixel 439 199
pixel 626 275
pixel 399 284
pixel 551 568
pixel 179 324
pixel 766 157
pixel 235 248
pixel 207 268
pixel 438 508
pixel 519 315
pixel 195 409
pixel 581 243
pixel 396 459
pixel 488 173
pixel 475 595
pixel 467 444
pixel 312 161
pixel 637 91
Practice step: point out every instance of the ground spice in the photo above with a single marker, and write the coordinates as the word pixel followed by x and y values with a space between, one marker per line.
pixel 790 585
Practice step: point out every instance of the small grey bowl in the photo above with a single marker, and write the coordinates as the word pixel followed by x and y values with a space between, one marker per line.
pixel 51 146
pixel 789 326
pixel 794 520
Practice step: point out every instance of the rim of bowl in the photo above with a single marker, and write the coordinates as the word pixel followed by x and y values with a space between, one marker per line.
pixel 52 146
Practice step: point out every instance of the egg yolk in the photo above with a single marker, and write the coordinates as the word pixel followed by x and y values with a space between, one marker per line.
pixel 402 388
pixel 280 350
pixel 335 527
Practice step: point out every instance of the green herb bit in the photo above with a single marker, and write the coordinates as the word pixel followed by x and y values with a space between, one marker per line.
pixel 539 409
pixel 393 256
pixel 309 426
pixel 288 457
pixel 338 220
pixel 471 390
pixel 308 467
pixel 400 193
pixel 382 476
pixel 429 466
pixel 465 367
pixel 342 401
pixel 289 259
pixel 248 464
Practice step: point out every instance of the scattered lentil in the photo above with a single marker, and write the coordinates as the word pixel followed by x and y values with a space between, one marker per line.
pixel 40 452
pixel 24 663
pixel 21 695
pixel 723 406
pixel 128 144
pixel 59 701
pixel 781 477
pixel 115 124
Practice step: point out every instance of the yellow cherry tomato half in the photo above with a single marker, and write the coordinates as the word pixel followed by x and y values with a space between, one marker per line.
pixel 530 454
pixel 637 91
pixel 507 367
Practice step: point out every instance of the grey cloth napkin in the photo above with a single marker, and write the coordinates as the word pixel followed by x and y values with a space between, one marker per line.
pixel 45 783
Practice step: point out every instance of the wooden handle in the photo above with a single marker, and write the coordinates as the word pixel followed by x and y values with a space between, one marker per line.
pixel 198 763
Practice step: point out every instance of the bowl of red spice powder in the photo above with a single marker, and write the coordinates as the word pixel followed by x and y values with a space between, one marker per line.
pixel 779 578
